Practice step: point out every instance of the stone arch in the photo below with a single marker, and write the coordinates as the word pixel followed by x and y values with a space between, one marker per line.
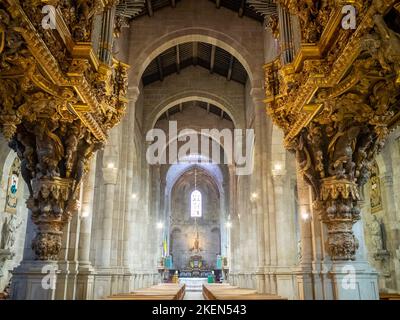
pixel 172 177
pixel 194 95
pixel 200 134
pixel 195 34
pixel 206 171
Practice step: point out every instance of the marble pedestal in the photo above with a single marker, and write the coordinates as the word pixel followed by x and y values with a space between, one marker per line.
pixel 354 281
pixel 34 280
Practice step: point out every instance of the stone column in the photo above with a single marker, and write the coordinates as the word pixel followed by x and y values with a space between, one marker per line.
pixel 286 236
pixel 53 177
pixel 85 276
pixel 304 278
pixel 110 175
pixel 257 198
pixel 86 215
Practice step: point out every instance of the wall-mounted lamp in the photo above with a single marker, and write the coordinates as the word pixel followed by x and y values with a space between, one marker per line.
pixel 277 169
pixel 160 225
pixel 305 216
pixel 85 213
pixel 253 196
pixel 229 224
pixel 110 165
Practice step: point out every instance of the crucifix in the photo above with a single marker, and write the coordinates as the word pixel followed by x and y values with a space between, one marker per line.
pixel 196 246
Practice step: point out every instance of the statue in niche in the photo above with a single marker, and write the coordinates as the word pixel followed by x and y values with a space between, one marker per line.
pixel 375 189
pixel 378 234
pixel 8 232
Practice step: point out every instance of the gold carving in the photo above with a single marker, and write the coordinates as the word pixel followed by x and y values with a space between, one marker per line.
pixel 273 25
pixel 335 103
pixel 375 189
pixel 57 104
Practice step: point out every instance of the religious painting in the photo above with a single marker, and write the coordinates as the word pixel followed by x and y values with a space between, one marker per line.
pixel 375 190
pixel 12 187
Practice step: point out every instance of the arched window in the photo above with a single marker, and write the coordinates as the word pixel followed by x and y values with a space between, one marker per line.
pixel 195 204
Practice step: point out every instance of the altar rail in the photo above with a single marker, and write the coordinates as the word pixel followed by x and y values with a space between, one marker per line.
pixel 165 291
pixel 227 292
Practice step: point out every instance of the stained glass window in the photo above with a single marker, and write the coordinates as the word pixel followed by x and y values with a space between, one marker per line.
pixel 195 204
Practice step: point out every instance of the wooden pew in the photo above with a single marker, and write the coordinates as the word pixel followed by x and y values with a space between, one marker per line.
pixel 142 297
pixel 158 292
pixel 227 292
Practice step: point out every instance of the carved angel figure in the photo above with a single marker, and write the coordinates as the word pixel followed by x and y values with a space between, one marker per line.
pixel 341 151
pixel 303 158
pixel 376 233
pixel 49 149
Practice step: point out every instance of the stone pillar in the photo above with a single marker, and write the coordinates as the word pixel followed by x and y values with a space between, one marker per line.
pixel 85 281
pixel 110 175
pixel 286 234
pixel 86 215
pixel 53 177
pixel 336 134
pixel 257 202
pixel 304 278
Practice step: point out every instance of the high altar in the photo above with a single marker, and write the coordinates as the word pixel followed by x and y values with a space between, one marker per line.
pixel 196 266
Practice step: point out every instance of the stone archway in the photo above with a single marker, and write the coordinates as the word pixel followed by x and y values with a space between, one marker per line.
pixel 194 95
pixel 214 37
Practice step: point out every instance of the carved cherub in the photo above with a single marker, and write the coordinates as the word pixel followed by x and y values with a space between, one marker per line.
pixel 71 144
pixel 49 148
pixel 341 151
pixel 307 170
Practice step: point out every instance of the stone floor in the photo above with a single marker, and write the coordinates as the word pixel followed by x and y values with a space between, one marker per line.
pixel 193 295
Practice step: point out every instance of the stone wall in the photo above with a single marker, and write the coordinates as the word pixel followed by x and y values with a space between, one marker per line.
pixel 183 226
pixel 193 84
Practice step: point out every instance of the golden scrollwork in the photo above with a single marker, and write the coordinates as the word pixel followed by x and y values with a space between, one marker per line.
pixel 57 105
pixel 336 103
